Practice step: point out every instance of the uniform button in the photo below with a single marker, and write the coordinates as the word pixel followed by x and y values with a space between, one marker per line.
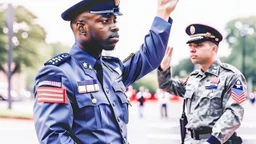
pixel 94 100
pixel 107 90
pixel 118 119
pixel 113 103
pixel 121 130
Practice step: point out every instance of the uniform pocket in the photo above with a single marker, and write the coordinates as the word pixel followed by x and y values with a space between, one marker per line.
pixel 123 99
pixel 210 103
pixel 88 111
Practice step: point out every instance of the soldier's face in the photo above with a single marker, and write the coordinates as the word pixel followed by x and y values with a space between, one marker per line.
pixel 201 53
pixel 102 29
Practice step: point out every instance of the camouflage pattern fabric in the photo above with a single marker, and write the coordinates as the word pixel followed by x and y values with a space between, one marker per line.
pixel 213 98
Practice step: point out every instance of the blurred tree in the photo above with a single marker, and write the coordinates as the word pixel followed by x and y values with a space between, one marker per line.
pixel 46 51
pixel 184 68
pixel 241 35
pixel 28 36
pixel 149 81
pixel 58 48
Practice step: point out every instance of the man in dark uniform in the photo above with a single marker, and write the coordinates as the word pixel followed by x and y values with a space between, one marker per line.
pixel 80 96
pixel 213 94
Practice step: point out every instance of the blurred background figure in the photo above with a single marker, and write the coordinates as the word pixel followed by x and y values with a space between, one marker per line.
pixel 163 99
pixel 252 97
pixel 130 92
pixel 148 94
pixel 141 95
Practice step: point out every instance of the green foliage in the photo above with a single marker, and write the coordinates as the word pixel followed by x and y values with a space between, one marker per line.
pixel 58 48
pixel 46 51
pixel 149 81
pixel 30 50
pixel 242 33
pixel 184 68
pixel 28 36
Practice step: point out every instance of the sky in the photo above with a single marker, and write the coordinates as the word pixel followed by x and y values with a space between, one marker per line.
pixel 137 18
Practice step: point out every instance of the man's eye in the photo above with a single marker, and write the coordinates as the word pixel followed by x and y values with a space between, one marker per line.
pixel 105 21
pixel 199 45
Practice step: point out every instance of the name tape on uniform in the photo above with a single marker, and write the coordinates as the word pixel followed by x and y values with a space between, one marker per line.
pixel 49 80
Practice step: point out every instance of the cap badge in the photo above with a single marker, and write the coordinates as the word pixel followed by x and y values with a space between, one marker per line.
pixel 192 29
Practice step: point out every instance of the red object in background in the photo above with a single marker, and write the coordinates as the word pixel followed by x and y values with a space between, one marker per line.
pixel 153 98
pixel 133 98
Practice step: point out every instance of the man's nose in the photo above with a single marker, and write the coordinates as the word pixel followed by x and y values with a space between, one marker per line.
pixel 192 49
pixel 114 28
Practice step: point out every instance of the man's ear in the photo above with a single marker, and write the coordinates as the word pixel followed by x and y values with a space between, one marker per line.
pixel 82 31
pixel 215 48
pixel 81 27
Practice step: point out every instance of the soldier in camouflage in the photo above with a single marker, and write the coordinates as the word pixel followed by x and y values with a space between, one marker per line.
pixel 213 94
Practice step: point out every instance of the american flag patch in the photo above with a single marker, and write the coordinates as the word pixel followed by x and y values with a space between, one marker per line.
pixel 237 92
pixel 51 95
pixel 214 80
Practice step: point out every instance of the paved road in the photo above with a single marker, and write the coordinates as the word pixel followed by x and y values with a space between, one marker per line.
pixel 148 130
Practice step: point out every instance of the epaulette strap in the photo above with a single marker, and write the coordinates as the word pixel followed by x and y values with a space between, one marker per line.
pixel 58 59
pixel 129 57
pixel 229 67
pixel 110 58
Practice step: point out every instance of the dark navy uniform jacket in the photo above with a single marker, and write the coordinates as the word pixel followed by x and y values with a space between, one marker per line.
pixel 72 106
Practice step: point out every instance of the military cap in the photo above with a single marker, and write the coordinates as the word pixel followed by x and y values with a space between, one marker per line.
pixel 200 33
pixel 92 6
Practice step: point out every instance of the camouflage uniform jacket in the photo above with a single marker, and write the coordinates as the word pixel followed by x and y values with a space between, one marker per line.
pixel 213 98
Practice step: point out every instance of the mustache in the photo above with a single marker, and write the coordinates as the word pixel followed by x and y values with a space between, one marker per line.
pixel 115 35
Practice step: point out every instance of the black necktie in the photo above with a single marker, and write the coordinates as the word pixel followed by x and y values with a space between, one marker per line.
pixel 99 71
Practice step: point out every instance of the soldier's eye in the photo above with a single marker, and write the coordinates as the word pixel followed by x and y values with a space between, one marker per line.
pixel 199 45
pixel 105 21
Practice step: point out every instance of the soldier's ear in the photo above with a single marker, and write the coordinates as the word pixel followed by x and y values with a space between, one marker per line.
pixel 215 48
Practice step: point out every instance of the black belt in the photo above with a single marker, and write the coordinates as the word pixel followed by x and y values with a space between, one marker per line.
pixel 202 133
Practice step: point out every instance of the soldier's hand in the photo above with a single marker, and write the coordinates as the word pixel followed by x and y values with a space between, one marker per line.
pixel 165 7
pixel 166 61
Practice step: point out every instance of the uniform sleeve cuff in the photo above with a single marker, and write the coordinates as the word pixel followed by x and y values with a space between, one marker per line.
pixel 213 140
pixel 160 25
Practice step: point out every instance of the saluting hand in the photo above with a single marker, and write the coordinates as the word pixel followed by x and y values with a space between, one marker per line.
pixel 166 61
pixel 165 7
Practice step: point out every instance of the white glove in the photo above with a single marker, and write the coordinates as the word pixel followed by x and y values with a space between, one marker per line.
pixel 206 143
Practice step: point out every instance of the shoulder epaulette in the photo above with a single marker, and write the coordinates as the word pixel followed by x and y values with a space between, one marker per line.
pixel 58 59
pixel 111 58
pixel 129 57
pixel 229 67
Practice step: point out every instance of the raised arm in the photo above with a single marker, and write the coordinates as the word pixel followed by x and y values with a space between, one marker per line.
pixel 152 50
pixel 165 80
